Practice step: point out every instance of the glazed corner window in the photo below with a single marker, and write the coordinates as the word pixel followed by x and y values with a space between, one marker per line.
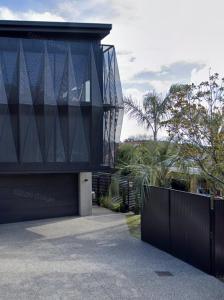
pixel 87 91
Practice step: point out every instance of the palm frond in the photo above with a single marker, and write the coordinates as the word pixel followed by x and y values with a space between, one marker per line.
pixel 135 111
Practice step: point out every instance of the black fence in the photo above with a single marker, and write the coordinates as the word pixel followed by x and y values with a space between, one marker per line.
pixel 126 190
pixel 100 184
pixel 189 226
pixel 218 246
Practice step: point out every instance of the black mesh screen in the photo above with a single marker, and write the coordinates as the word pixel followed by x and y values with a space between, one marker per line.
pixel 60 102
pixel 113 100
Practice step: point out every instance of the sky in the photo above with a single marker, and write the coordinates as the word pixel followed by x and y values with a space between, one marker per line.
pixel 158 42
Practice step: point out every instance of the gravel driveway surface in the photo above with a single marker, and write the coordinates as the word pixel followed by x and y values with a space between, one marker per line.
pixel 93 258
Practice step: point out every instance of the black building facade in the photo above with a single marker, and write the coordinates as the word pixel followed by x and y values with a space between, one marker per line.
pixel 61 107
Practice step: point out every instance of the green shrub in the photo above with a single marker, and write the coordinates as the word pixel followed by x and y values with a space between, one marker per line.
pixel 106 201
pixel 114 187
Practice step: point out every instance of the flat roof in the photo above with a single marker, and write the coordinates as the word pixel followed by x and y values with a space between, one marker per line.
pixel 94 30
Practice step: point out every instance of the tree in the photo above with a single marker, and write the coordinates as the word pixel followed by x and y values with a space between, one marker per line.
pixel 149 163
pixel 151 114
pixel 197 123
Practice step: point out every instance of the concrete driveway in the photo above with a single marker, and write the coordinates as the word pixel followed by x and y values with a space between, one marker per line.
pixel 92 258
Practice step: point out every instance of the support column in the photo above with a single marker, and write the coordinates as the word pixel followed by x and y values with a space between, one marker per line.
pixel 85 194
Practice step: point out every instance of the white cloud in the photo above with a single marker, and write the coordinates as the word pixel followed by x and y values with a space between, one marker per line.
pixel 88 10
pixel 45 16
pixel 7 14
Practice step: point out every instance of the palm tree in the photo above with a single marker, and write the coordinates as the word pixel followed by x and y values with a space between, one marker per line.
pixel 151 114
pixel 150 163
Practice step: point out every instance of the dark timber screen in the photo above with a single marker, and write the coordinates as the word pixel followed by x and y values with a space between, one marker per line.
pixel 185 225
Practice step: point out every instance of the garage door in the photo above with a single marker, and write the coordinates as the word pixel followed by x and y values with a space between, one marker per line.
pixel 30 197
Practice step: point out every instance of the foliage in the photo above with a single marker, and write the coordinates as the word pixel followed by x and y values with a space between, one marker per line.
pixel 151 114
pixel 137 138
pixel 114 187
pixel 197 119
pixel 125 155
pixel 133 222
pixel 149 163
pixel 106 201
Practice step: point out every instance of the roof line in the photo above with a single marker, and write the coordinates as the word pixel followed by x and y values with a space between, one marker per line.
pixel 95 29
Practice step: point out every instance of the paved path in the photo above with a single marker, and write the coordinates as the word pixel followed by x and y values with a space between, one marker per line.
pixel 92 258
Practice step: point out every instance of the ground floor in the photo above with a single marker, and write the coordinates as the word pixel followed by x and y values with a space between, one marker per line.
pixel 93 257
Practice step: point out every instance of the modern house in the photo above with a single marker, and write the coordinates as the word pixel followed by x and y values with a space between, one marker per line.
pixel 61 111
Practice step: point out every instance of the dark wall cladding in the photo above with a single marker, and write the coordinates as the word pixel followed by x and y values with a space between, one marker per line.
pixel 37 196
pixel 52 103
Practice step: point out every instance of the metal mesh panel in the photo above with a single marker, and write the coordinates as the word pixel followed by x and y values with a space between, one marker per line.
pixel 113 101
pixel 95 84
pixel 7 145
pixel 106 138
pixel 60 102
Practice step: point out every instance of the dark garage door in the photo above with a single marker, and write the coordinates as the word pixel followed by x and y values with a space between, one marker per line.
pixel 29 197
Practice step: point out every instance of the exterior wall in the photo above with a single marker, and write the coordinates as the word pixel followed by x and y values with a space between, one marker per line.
pixel 85 194
pixel 61 105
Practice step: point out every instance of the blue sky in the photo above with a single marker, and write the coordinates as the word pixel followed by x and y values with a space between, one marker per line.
pixel 27 4
pixel 158 42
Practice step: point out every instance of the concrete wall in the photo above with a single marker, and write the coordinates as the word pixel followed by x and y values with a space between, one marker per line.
pixel 85 193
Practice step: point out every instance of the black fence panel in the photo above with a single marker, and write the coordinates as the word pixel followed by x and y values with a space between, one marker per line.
pixel 127 192
pixel 219 237
pixel 155 217
pixel 190 228
pixel 101 183
pixel 182 224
